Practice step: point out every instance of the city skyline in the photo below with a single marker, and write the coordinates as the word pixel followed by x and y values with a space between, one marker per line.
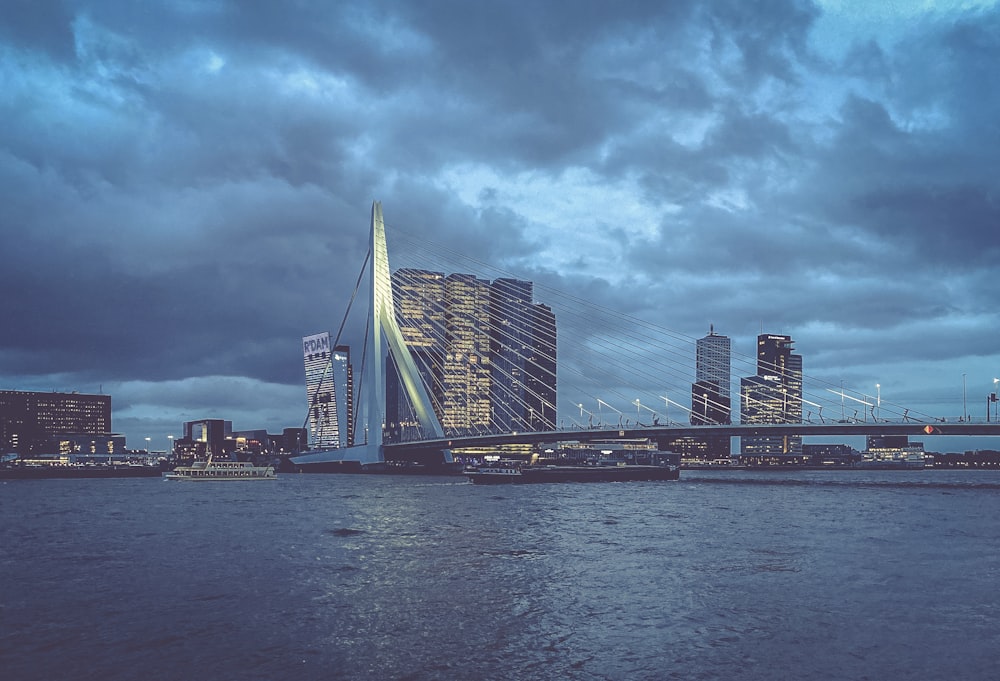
pixel 186 185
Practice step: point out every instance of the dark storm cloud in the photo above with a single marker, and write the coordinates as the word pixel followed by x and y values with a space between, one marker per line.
pixel 186 184
pixel 39 25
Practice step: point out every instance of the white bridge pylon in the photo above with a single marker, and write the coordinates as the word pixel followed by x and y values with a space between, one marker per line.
pixel 384 336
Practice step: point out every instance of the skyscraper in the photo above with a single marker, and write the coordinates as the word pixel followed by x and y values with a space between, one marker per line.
pixel 511 320
pixel 419 297
pixel 329 391
pixel 710 393
pixel 343 382
pixel 774 395
pixel 485 351
pixel 540 368
pixel 466 366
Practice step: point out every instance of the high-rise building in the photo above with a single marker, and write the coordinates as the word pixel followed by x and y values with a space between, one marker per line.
pixel 708 405
pixel 419 297
pixel 329 390
pixel 343 393
pixel 34 422
pixel 205 438
pixel 774 395
pixel 511 320
pixel 712 363
pixel 710 394
pixel 420 307
pixel 540 368
pixel 484 350
pixel 466 371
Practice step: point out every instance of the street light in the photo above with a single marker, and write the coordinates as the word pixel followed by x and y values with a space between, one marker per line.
pixel 965 409
pixel 620 414
pixel 878 401
pixel 639 405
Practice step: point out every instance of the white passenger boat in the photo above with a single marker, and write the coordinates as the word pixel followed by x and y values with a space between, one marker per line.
pixel 221 470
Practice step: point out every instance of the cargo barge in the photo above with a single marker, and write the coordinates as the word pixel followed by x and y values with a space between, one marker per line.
pixel 512 473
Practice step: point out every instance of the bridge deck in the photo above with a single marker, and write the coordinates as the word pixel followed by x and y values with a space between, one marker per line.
pixel 912 429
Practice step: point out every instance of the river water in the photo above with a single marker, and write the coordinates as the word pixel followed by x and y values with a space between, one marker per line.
pixel 721 575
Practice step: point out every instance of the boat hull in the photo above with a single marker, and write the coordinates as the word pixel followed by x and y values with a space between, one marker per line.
pixel 187 478
pixel 538 474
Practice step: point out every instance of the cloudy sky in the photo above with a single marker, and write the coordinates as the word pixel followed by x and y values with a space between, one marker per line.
pixel 186 185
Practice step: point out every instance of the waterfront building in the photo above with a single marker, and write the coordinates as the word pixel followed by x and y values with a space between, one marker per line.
pixel 710 393
pixel 466 380
pixel 510 325
pixel 419 297
pixel 484 350
pixel 329 391
pixel 707 406
pixel 260 442
pixel 774 395
pixel 712 365
pixel 690 448
pixel 50 422
pixel 540 369
pixel 893 451
pixel 343 382
pixel 204 438
pixel 831 454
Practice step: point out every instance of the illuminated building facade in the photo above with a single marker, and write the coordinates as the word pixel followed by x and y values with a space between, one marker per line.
pixel 329 390
pixel 419 298
pixel 37 422
pixel 465 379
pixel 485 351
pixel 343 382
pixel 774 395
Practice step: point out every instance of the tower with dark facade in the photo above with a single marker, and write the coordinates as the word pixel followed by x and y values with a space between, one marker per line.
pixel 511 319
pixel 540 368
pixel 710 394
pixel 774 395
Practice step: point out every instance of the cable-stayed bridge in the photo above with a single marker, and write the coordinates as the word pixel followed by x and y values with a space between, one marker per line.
pixel 471 359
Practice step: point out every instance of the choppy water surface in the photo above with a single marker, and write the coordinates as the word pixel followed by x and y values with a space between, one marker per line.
pixel 824 575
